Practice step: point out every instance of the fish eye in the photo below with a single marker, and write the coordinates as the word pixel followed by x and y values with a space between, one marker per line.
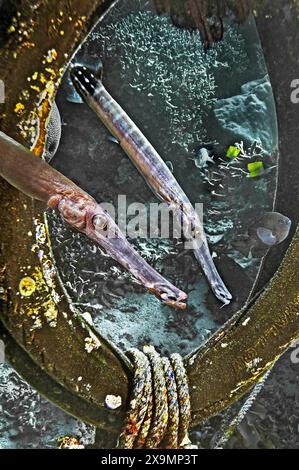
pixel 100 222
pixel 195 231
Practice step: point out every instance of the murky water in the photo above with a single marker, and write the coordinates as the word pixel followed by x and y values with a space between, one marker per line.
pixel 182 100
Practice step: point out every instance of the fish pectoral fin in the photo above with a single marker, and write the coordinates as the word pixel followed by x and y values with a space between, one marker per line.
pixel 53 133
pixel 266 236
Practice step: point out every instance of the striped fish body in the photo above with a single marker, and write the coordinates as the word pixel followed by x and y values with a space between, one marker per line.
pixel 154 170
pixel 140 151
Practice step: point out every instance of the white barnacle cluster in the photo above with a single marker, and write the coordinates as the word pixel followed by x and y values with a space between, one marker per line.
pixel 171 67
pixel 91 343
pixel 113 402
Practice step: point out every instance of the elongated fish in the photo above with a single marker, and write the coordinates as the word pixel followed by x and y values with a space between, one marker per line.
pixel 36 178
pixel 152 167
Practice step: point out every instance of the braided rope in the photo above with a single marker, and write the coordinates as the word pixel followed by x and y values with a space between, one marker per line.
pixel 230 428
pixel 160 415
pixel 159 409
pixel 184 398
pixel 171 438
pixel 139 403
pixel 144 431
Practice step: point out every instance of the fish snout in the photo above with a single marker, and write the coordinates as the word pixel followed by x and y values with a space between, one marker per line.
pixel 223 294
pixel 102 229
pixel 170 295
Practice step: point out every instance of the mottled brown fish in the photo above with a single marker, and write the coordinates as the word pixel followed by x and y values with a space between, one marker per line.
pixel 36 178
pixel 152 167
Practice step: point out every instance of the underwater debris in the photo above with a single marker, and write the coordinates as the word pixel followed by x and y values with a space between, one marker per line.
pixel 233 151
pixel 203 158
pixel 255 169
pixel 219 175
pixel 69 442
pixel 113 402
pixel 240 162
pixel 256 101
pixel 229 179
pixel 273 228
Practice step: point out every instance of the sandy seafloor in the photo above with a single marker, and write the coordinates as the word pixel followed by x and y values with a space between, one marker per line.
pixel 173 99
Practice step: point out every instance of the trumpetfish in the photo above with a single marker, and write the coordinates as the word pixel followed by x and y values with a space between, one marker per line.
pixel 152 167
pixel 36 178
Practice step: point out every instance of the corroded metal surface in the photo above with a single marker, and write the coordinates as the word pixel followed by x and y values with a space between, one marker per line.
pixel 41 40
pixel 248 345
pixel 34 307
pixel 274 316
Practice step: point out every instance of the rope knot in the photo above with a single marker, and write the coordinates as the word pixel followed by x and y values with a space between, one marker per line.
pixel 159 409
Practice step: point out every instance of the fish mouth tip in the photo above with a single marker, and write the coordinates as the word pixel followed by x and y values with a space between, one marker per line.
pixel 175 304
pixel 178 301
pixel 223 295
pixel 171 297
pixel 226 300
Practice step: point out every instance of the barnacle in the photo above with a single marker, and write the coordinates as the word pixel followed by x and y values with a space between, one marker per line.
pixel 27 286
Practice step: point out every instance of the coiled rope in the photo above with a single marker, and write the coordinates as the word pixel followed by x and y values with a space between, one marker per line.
pixel 159 410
